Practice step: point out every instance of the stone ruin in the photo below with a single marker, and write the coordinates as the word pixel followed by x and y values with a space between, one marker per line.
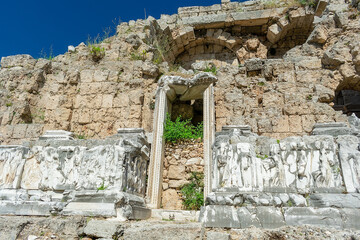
pixel 278 91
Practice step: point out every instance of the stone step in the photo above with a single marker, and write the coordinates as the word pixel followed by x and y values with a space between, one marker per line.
pixel 176 215
pixel 272 217
pixel 29 208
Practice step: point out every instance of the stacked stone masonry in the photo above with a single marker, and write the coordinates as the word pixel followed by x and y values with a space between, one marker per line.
pixel 181 159
pixel 93 99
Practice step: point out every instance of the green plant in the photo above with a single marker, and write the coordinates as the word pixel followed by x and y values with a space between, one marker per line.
pixel 290 204
pixel 213 70
pixel 38 115
pixel 97 53
pixel 9 104
pixel 102 187
pixel 138 56
pixel 261 84
pixel 80 136
pixel 181 129
pixel 161 49
pixel 278 141
pixel 309 97
pixel 193 192
pixel 262 157
pixel 43 54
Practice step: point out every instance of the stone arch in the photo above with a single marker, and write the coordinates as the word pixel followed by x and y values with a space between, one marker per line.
pixel 222 45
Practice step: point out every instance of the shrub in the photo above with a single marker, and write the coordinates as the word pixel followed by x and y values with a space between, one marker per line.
pixel 181 129
pixel 211 69
pixel 193 192
pixel 97 53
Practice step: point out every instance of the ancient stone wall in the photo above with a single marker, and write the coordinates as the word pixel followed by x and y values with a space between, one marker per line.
pixel 180 160
pixel 302 65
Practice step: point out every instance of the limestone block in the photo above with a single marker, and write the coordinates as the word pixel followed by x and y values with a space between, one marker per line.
pixel 274 33
pixel 90 209
pixel 320 7
pixel 308 63
pixel 319 35
pixel 333 129
pixel 100 76
pixel 247 217
pixel 86 75
pixel 19 131
pixel 325 94
pixel 264 125
pixel 107 101
pixel 29 208
pixel 351 200
pixel 308 122
pixel 295 124
pixel 270 217
pixel 84 116
pixel 210 21
pixel 281 125
pixel 121 100
pixel 103 229
pixel 252 44
pixel 336 55
pixel 272 99
pixel 326 217
pixel 219 216
pixel 18 61
pixel 176 172
pixel 135 112
pixel 217 235
pixel 177 183
pixel 350 218
pixel 171 199
pixel 253 18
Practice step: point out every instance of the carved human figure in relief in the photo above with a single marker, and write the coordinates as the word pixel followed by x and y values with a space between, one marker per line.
pixel 224 153
pixel 246 165
pixel 272 167
pixel 354 162
pixel 289 158
pixel 236 169
pixel 303 162
pixel 315 164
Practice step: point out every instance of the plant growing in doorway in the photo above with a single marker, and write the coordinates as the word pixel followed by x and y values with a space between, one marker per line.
pixel 193 192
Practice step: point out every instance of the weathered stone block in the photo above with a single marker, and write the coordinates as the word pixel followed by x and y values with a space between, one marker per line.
pixel 19 131
pixel 176 172
pixel 107 101
pixel 351 200
pixel 270 217
pixel 274 33
pixel 323 217
pixel 217 236
pixel 219 216
pixel 103 229
pixel 295 124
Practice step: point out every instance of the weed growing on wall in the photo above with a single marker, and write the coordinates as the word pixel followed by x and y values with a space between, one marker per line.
pixel 213 70
pixel 193 192
pixel 97 53
pixel 181 129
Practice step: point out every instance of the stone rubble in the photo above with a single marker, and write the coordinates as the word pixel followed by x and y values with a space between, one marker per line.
pixel 180 160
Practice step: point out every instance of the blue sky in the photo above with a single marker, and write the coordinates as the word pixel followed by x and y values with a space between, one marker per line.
pixel 35 26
